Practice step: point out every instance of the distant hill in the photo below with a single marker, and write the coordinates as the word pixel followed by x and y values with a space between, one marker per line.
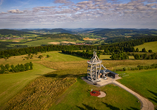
pixel 47 31
pixel 63 35
pixel 13 32
pixel 123 32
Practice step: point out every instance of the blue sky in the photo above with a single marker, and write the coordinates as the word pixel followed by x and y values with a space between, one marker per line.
pixel 78 14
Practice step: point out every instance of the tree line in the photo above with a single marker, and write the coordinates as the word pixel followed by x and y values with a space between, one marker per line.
pixel 17 68
pixel 139 67
pixel 87 54
pixel 127 46
pixel 145 56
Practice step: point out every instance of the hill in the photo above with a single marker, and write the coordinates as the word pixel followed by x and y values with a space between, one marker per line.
pixel 13 32
pixel 148 46
pixel 62 35
pixel 47 31
pixel 123 32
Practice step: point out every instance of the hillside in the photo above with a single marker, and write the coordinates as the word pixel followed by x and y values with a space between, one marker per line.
pixel 13 32
pixel 62 35
pixel 123 32
pixel 148 46
pixel 47 31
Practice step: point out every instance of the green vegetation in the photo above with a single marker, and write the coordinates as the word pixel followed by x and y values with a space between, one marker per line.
pixel 149 46
pixel 11 84
pixel 144 82
pixel 49 90
pixel 18 68
pixel 78 97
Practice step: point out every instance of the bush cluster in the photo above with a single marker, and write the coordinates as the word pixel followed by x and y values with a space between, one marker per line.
pixel 145 56
pixel 139 67
pixel 18 68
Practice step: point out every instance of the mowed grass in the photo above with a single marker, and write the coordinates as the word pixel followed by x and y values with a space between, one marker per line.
pixel 12 83
pixel 143 82
pixel 148 46
pixel 78 98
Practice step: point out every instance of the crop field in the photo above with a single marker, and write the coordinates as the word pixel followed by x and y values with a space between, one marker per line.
pixel 44 88
pixel 148 46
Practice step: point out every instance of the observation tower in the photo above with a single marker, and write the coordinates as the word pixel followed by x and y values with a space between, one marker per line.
pixel 94 68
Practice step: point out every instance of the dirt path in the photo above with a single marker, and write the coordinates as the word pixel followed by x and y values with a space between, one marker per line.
pixel 146 104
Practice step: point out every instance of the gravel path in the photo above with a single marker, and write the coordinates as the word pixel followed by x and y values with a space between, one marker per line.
pixel 146 104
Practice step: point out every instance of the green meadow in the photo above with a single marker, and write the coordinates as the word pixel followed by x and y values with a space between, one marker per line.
pixel 143 82
pixel 44 88
pixel 148 46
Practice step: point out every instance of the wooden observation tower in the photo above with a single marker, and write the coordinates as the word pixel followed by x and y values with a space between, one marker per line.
pixel 94 68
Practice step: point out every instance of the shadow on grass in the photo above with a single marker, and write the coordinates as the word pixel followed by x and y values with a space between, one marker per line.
pixel 116 108
pixel 64 75
pixel 154 98
pixel 111 106
pixel 74 55
pixel 87 107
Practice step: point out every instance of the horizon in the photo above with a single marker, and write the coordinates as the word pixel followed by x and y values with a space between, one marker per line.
pixel 72 14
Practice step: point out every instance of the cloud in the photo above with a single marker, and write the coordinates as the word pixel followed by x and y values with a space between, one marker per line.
pixel 62 1
pixel 99 11
pixel 16 11
pixel 1 2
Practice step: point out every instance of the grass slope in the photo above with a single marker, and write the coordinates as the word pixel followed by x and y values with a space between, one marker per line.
pixel 11 84
pixel 39 91
pixel 149 46
pixel 144 82
pixel 78 97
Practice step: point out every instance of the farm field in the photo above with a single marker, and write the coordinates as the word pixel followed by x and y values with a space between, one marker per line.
pixel 148 46
pixel 48 90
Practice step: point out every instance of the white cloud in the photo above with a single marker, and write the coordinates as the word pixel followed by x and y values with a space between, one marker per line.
pixel 16 11
pixel 99 11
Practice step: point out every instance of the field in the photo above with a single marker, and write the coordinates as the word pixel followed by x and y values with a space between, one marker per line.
pixel 11 84
pixel 43 88
pixel 144 82
pixel 148 46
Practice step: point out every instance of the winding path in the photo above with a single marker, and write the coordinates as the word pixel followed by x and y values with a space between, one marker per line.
pixel 146 104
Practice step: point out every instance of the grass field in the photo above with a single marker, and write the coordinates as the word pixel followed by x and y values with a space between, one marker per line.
pixel 78 97
pixel 51 90
pixel 144 82
pixel 11 84
pixel 148 46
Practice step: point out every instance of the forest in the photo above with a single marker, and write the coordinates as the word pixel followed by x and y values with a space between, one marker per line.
pixel 127 46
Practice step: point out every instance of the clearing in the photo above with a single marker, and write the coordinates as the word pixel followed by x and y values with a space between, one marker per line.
pixel 148 46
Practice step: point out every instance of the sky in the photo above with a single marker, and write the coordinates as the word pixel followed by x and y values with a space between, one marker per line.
pixel 78 14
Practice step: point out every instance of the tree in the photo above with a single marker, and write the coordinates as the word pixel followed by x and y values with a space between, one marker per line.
pixel 40 56
pixel 12 68
pixel 7 67
pixel 26 66
pixel 137 50
pixel 48 56
pixel 31 56
pixel 31 65
pixel 150 51
pixel 144 50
